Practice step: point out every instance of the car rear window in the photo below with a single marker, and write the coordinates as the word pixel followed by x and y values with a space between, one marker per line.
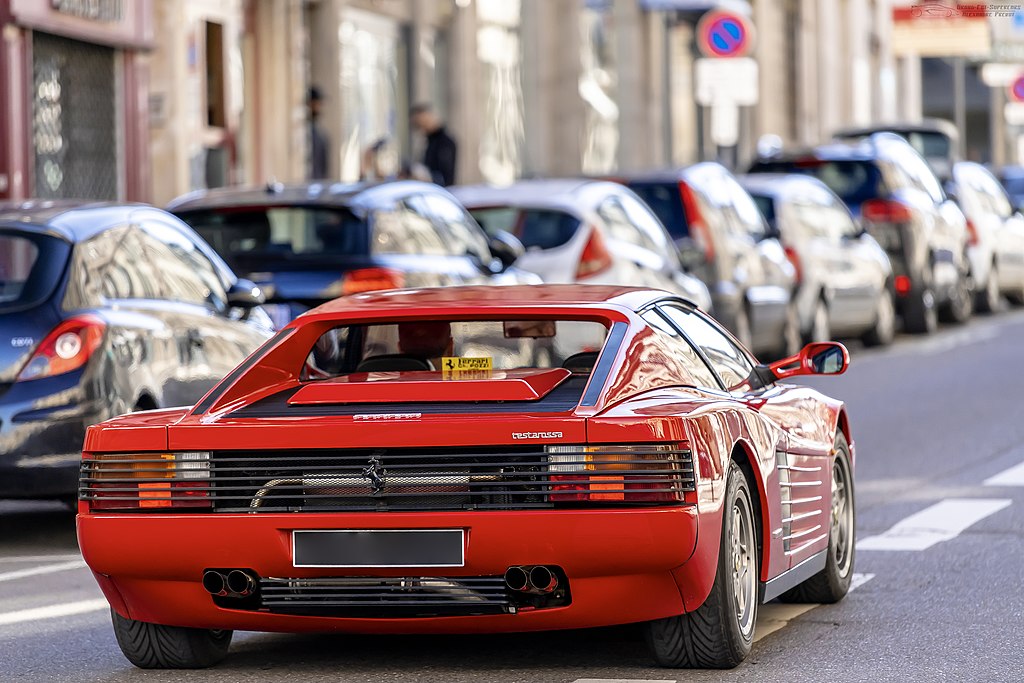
pixel 854 181
pixel 242 235
pixel 30 268
pixel 535 228
pixel 423 345
pixel 766 205
pixel 667 204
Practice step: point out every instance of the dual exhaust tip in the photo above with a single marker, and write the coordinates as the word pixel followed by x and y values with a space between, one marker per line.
pixel 537 579
pixel 235 583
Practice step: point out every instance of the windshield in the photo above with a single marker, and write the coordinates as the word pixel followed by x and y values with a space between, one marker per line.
pixel 535 228
pixel 30 268
pixel 455 348
pixel 242 235
pixel 854 181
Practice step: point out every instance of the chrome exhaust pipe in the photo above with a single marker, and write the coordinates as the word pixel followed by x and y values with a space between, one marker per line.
pixel 240 583
pixel 541 579
pixel 215 583
pixel 516 578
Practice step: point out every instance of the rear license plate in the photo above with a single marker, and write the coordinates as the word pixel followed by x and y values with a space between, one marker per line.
pixel 379 548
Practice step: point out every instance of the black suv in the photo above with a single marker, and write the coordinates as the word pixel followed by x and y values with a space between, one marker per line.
pixel 306 244
pixel 104 309
pixel 897 198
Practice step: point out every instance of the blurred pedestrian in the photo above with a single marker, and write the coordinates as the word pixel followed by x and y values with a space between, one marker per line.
pixel 439 156
pixel 318 141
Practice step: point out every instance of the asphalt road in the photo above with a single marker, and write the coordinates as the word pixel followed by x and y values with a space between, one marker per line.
pixel 940 561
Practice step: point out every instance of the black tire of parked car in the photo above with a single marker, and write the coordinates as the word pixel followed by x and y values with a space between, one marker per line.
pixel 791 337
pixel 919 314
pixel 153 646
pixel 960 305
pixel 884 330
pixel 712 636
pixel 832 583
pixel 987 300
pixel 821 327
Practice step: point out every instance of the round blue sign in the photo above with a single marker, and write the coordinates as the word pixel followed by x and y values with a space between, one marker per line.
pixel 1017 90
pixel 723 34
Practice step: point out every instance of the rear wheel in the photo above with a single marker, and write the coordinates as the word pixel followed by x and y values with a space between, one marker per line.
pixel 152 646
pixel 719 633
pixel 919 314
pixel 821 328
pixel 987 300
pixel 958 309
pixel 832 583
pixel 884 330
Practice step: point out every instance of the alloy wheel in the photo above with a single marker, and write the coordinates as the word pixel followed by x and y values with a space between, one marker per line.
pixel 743 563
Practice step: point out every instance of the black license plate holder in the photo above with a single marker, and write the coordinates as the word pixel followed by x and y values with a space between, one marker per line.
pixel 380 548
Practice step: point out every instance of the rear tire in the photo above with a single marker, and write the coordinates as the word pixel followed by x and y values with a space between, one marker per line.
pixel 152 646
pixel 987 300
pixel 821 327
pixel 832 583
pixel 919 314
pixel 959 308
pixel 884 330
pixel 719 633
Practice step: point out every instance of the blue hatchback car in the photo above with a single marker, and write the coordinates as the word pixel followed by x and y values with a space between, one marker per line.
pixel 105 309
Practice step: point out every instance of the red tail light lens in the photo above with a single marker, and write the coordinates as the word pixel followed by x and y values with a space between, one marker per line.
pixel 67 347
pixel 902 285
pixel 659 473
pixel 699 231
pixel 147 481
pixel 794 258
pixel 972 232
pixel 372 280
pixel 595 258
pixel 885 211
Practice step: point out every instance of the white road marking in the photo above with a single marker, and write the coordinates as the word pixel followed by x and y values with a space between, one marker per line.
pixel 45 569
pixel 1011 477
pixel 940 522
pixel 775 615
pixel 39 558
pixel 52 611
pixel 859 580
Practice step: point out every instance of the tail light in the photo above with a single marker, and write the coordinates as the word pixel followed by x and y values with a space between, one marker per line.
pixel 146 481
pixel 660 473
pixel 794 258
pixel 372 280
pixel 972 232
pixel 885 211
pixel 699 231
pixel 595 257
pixel 67 347
pixel 902 285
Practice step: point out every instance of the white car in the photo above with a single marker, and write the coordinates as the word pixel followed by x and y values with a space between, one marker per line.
pixel 590 231
pixel 995 242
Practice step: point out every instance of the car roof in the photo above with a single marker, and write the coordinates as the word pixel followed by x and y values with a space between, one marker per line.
pixel 73 220
pixel 483 297
pixel 569 194
pixel 779 185
pixel 326 193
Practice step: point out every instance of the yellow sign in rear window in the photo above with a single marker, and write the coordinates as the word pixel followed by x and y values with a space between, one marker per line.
pixel 457 363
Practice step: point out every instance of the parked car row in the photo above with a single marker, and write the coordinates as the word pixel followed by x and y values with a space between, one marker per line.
pixel 112 308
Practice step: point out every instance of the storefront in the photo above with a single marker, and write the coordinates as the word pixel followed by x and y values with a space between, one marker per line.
pixel 73 99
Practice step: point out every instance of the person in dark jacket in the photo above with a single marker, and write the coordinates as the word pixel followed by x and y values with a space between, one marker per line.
pixel 319 165
pixel 439 156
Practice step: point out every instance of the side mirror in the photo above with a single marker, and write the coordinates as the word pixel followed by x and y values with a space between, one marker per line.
pixel 245 294
pixel 818 358
pixel 690 255
pixel 506 248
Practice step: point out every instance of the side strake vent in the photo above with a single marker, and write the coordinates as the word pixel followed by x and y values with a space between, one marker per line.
pixel 385 479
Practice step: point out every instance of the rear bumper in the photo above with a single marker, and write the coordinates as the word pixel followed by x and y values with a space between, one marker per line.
pixel 42 427
pixel 620 565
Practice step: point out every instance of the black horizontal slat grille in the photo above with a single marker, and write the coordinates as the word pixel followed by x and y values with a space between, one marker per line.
pixel 386 597
pixel 389 479
pixel 507 478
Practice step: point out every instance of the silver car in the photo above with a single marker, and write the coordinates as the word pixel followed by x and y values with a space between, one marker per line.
pixel 577 230
pixel 845 278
